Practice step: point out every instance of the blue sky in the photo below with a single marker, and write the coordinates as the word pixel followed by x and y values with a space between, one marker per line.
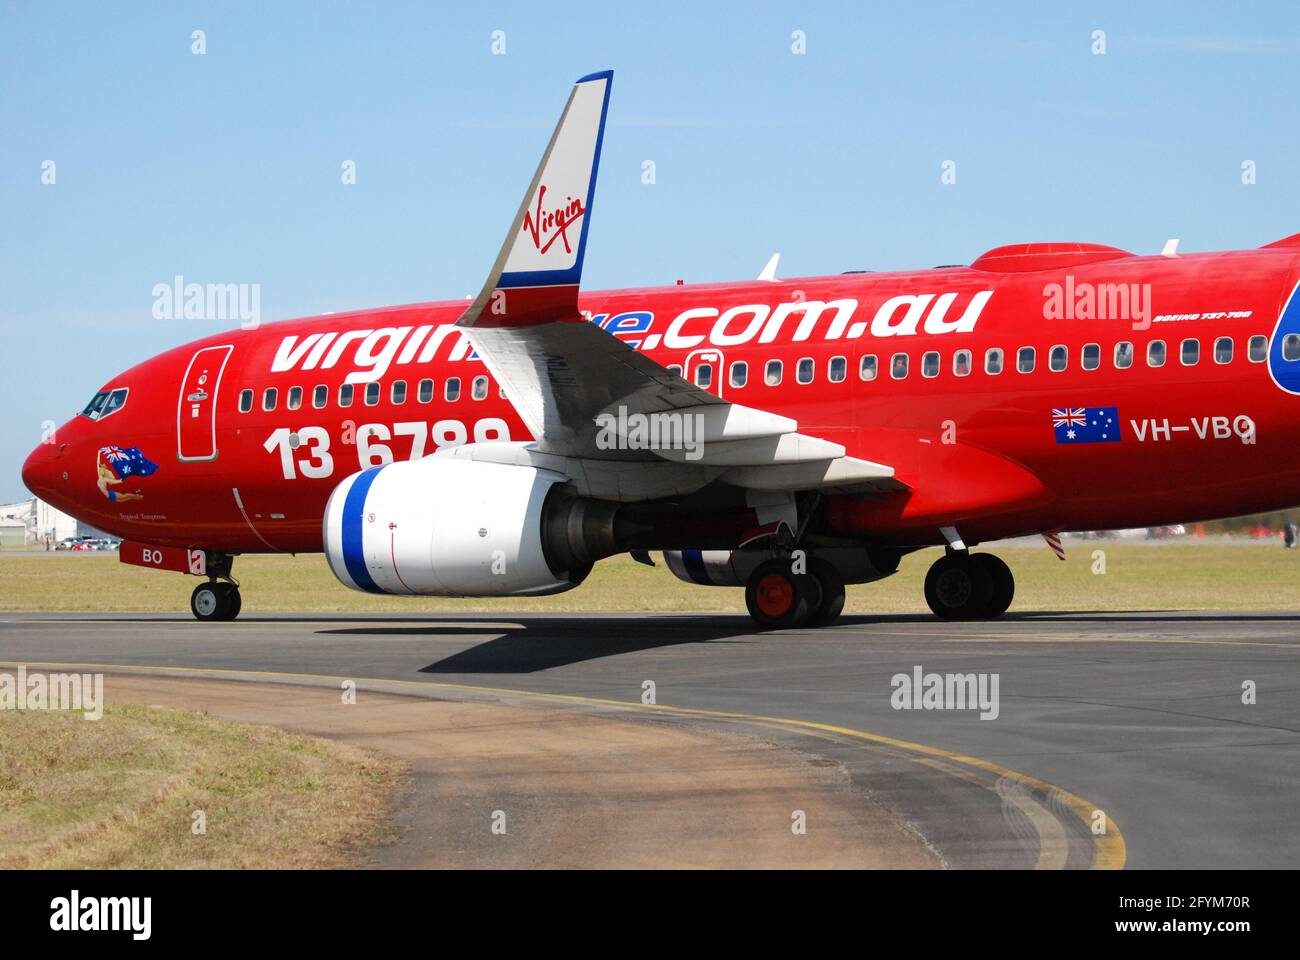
pixel 225 167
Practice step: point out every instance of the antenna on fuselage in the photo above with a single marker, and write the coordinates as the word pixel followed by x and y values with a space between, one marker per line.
pixel 769 272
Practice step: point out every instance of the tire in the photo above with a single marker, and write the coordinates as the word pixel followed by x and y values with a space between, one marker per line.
pixel 777 598
pixel 210 601
pixel 957 589
pixel 1004 584
pixel 235 604
pixel 832 588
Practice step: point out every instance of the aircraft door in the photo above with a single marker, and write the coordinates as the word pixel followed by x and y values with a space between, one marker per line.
pixel 196 408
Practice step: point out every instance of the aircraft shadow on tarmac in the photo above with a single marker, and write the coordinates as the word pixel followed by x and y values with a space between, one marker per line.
pixel 530 644
pixel 533 644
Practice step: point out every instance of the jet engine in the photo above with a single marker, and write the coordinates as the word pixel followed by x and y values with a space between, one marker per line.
pixel 463 528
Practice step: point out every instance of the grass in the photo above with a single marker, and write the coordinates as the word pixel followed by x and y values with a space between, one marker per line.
pixel 121 792
pixel 1184 575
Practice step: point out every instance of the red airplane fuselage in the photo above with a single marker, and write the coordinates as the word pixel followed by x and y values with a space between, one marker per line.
pixel 249 431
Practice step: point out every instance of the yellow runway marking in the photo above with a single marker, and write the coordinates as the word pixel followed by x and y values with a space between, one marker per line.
pixel 1109 851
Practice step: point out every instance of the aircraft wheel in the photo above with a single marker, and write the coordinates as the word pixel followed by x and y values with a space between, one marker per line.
pixel 235 602
pixel 776 597
pixel 832 590
pixel 1004 584
pixel 958 589
pixel 215 600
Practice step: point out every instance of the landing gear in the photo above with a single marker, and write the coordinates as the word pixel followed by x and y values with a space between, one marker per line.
pixel 966 586
pixel 215 600
pixel 832 593
pixel 778 598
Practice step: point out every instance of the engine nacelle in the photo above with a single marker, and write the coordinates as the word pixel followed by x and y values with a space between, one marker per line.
pixel 463 528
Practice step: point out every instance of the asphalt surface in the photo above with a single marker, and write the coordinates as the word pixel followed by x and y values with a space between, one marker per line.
pixel 1137 715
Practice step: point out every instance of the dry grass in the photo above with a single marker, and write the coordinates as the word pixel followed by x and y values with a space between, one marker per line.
pixel 1185 575
pixel 121 792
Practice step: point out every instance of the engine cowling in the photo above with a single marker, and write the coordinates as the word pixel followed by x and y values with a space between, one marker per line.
pixel 463 528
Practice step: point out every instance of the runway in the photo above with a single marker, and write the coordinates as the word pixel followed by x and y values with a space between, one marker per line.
pixel 1137 715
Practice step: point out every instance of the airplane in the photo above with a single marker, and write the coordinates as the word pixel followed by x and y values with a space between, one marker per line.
pixel 788 436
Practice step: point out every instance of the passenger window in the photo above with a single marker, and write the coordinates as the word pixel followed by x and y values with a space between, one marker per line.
pixel 898 366
pixel 675 369
pixel 1025 360
pixel 704 375
pixel 930 363
pixel 1223 350
pixel 478 389
pixel 426 391
pixel 245 401
pixel 1057 358
pixel 1190 353
pixel 320 396
pixel 772 373
pixel 269 397
pixel 993 361
pixel 398 392
pixel 1123 355
pixel 345 395
pixel 1091 356
pixel 961 363
pixel 451 391
pixel 1156 353
pixel 294 398
pixel 1258 349
pixel 803 372
pixel 739 373
pixel 837 370
pixel 1290 347
pixel 372 393
pixel 867 367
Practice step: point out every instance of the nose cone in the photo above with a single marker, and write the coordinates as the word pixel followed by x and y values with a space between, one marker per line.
pixel 40 472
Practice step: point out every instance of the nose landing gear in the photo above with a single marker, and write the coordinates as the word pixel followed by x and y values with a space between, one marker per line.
pixel 215 600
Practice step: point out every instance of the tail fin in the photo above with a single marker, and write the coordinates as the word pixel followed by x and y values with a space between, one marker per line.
pixel 535 277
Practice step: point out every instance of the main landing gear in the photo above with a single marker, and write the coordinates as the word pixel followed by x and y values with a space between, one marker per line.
pixel 969 586
pixel 778 597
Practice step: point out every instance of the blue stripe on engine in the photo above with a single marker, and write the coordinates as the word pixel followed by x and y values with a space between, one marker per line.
pixel 694 563
pixel 354 508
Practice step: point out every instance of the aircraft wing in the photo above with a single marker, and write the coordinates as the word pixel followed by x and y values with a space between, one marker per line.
pixel 581 390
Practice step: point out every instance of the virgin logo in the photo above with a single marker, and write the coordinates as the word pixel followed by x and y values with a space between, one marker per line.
pixel 546 226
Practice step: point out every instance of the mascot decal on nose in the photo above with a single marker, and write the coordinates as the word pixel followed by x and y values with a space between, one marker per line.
pixel 116 465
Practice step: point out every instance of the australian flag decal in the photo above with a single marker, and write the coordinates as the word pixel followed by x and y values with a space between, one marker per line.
pixel 1086 424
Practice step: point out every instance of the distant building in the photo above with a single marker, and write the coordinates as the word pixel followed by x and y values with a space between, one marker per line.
pixel 29 522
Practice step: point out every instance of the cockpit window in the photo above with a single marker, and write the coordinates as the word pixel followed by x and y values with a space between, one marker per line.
pixel 95 405
pixel 104 403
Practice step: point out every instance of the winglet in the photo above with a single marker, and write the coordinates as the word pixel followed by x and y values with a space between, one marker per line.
pixel 536 274
pixel 769 271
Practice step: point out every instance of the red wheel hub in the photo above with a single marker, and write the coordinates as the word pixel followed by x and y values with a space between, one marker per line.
pixel 775 595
